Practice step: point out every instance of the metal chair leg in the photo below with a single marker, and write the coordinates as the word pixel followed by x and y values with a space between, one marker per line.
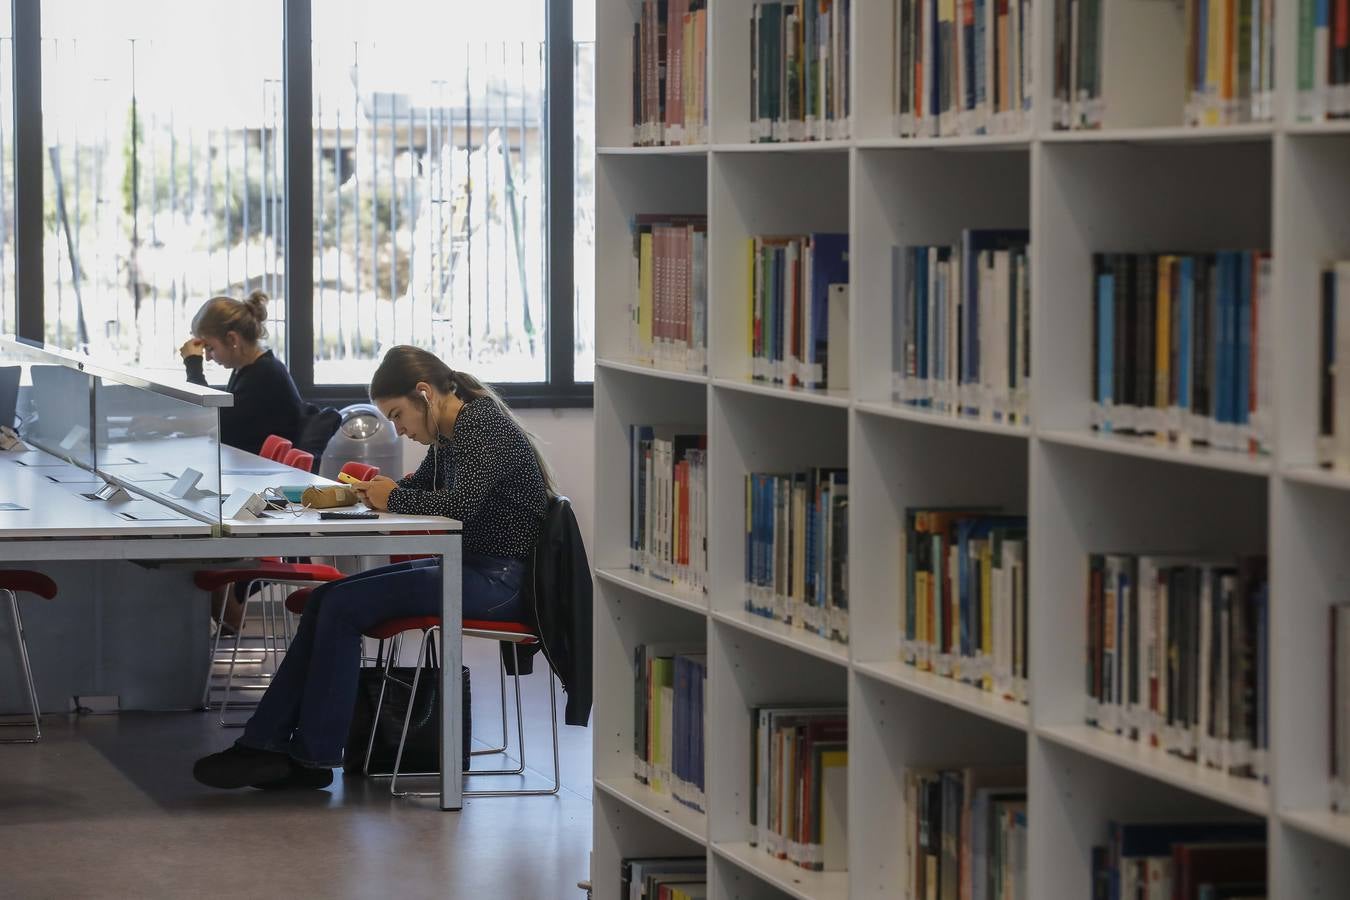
pixel 557 772
pixel 379 705
pixel 27 675
pixel 422 658
pixel 492 751
pixel 520 723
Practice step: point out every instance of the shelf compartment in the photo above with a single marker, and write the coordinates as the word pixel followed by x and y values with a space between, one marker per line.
pixel 1246 794
pixel 783 875
pixel 641 583
pixel 949 692
pixel 688 823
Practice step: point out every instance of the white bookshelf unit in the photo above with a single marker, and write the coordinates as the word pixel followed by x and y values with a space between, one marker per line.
pixel 1145 182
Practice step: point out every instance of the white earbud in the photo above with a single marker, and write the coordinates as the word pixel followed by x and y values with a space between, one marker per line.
pixel 425 398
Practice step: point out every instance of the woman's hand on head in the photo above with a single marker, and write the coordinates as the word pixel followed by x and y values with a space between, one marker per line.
pixel 192 347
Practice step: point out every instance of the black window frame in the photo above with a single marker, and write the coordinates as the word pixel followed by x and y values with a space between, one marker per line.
pixel 560 389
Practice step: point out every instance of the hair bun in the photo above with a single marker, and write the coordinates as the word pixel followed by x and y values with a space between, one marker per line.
pixel 257 305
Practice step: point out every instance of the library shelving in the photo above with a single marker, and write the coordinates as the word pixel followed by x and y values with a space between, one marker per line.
pixel 1143 182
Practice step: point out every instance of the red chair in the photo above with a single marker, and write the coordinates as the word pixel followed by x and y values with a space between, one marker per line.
pixel 361 471
pixel 513 633
pixel 299 459
pixel 275 447
pixel 276 635
pixel 13 581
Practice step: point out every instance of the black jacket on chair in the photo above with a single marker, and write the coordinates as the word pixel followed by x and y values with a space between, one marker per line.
pixel 562 608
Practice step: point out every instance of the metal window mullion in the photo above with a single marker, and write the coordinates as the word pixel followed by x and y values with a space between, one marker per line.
pixel 298 71
pixel 28 190
pixel 559 191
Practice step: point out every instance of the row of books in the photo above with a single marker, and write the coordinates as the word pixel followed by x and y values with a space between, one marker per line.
pixel 963 599
pixel 962 325
pixel 668 503
pixel 1229 65
pixel 1230 61
pixel 799 63
pixel 796 549
pixel 1323 60
pixel 668 318
pixel 1333 383
pixel 1178 656
pixel 966 833
pixel 1078 39
pixel 663 878
pixel 670 66
pixel 798 309
pixel 1185 860
pixel 668 721
pixel 962 67
pixel 1181 347
pixel 799 785
pixel 1340 707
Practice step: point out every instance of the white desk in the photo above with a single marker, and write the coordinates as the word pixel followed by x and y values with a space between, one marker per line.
pixel 61 525
pixel 60 510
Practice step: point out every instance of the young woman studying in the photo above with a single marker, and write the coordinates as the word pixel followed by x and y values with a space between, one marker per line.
pixel 266 401
pixel 482 469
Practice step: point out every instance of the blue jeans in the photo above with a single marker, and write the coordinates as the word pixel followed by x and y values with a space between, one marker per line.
pixel 307 709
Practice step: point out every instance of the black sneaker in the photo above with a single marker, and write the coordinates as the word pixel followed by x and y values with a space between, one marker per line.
pixel 300 777
pixel 241 767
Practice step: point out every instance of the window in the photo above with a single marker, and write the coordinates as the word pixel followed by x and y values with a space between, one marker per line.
pixel 164 180
pixel 429 171
pixel 420 143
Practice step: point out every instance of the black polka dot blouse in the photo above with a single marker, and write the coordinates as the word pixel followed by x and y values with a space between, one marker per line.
pixel 485 474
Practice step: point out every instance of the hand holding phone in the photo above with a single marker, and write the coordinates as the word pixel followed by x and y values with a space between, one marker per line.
pixel 348 478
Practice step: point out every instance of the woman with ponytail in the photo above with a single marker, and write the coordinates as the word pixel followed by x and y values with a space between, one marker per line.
pixel 482 469
pixel 229 332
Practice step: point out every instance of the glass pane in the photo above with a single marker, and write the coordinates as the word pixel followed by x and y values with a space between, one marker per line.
pixel 8 324
pixel 583 186
pixel 429 210
pixel 164 174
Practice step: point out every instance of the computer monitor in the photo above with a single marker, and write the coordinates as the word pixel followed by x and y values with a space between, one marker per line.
pixel 9 394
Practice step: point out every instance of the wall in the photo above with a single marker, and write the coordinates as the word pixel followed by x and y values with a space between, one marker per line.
pixel 568 440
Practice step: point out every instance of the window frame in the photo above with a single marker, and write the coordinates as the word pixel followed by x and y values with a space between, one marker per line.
pixel 560 389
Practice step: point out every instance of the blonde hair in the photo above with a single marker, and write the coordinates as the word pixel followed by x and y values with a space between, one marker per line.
pixel 404 367
pixel 221 315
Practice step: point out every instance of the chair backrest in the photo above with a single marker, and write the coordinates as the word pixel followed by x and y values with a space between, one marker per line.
pixel 275 447
pixel 360 471
pixel 317 426
pixel 299 459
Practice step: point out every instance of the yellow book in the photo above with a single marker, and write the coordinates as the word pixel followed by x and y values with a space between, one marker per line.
pixel 1214 67
pixel 645 271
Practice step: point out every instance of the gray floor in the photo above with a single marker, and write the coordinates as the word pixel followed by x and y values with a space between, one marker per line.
pixel 105 806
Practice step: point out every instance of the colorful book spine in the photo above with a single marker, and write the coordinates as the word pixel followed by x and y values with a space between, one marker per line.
pixel 1176 658
pixel 670 92
pixel 799 785
pixel 794 297
pixel 668 316
pixel 799 86
pixel 796 554
pixel 668 506
pixel 965 833
pixel 1181 348
pixel 962 326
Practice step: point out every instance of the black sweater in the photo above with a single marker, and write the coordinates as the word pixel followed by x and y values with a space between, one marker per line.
pixel 485 474
pixel 265 402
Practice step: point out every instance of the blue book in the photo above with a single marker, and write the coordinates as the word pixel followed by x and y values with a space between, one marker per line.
pixel 829 265
pixel 1106 342
pixel 1242 386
